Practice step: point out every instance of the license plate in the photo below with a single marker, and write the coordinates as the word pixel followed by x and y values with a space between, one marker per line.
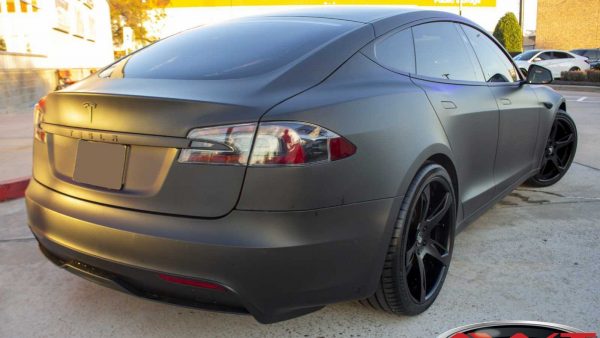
pixel 100 164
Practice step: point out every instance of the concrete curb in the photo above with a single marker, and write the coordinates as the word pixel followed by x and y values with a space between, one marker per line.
pixel 587 89
pixel 14 188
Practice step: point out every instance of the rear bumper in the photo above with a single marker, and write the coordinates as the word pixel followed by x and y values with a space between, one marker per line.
pixel 274 265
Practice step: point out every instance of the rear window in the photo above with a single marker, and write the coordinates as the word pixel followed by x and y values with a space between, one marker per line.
pixel 234 49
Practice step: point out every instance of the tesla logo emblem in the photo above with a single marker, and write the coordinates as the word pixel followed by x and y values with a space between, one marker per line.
pixel 90 106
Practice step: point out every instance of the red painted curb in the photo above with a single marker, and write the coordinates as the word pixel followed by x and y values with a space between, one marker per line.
pixel 14 188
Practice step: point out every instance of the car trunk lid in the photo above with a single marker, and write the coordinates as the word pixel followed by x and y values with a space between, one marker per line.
pixel 122 150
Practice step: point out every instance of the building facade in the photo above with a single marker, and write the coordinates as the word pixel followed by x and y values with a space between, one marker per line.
pixel 40 37
pixel 568 24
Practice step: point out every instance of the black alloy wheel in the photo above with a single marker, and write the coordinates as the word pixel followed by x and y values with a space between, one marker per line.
pixel 427 253
pixel 559 152
pixel 421 247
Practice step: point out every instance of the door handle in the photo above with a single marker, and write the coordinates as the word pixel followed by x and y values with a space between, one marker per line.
pixel 505 101
pixel 448 105
pixel 548 105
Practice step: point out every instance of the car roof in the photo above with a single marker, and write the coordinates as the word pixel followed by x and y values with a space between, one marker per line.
pixel 383 18
pixel 554 50
pixel 363 14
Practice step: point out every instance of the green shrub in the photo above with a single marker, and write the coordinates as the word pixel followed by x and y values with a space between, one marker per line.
pixel 589 76
pixel 509 34
pixel 593 75
pixel 573 76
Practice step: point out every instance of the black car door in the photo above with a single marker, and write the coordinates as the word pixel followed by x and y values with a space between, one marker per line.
pixel 448 72
pixel 519 111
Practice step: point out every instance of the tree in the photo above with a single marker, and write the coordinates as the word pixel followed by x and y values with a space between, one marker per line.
pixel 137 14
pixel 509 34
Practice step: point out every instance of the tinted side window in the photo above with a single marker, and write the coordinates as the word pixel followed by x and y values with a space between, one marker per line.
pixel 496 66
pixel 546 56
pixel 590 54
pixel 441 52
pixel 561 55
pixel 581 52
pixel 397 51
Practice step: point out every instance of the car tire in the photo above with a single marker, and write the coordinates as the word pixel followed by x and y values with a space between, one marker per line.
pixel 559 152
pixel 408 255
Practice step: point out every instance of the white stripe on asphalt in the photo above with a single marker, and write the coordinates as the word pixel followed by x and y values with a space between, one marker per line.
pixel 587 101
pixel 581 99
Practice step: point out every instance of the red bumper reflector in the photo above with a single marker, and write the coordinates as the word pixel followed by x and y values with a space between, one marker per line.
pixel 191 282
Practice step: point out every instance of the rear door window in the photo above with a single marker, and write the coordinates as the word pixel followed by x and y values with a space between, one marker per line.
pixel 561 55
pixel 234 49
pixel 442 52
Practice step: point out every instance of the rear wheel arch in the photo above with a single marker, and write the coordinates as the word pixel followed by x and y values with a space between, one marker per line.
pixel 563 106
pixel 438 153
pixel 447 163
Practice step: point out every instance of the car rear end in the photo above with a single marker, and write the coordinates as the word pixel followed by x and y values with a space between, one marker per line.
pixel 139 172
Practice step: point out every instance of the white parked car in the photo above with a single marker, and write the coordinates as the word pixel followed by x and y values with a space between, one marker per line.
pixel 556 60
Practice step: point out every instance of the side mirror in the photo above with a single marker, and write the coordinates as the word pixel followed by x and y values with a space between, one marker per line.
pixel 539 75
pixel 536 60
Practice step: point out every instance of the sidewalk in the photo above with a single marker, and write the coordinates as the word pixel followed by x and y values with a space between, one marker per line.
pixel 16 138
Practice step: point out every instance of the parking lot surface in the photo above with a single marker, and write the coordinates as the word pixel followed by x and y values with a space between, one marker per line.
pixel 534 256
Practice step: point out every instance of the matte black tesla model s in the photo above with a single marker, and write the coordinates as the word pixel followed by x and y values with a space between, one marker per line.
pixel 276 164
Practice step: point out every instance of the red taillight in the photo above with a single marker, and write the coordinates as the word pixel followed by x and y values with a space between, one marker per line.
pixel 275 143
pixel 297 143
pixel 340 148
pixel 38 118
pixel 42 103
pixel 191 282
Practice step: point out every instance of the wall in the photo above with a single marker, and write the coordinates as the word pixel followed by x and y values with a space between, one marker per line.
pixel 21 88
pixel 40 41
pixel 568 24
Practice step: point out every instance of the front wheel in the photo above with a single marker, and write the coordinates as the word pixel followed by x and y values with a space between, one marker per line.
pixel 559 152
pixel 420 250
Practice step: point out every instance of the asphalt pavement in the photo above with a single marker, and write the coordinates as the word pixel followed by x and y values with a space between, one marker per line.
pixel 534 256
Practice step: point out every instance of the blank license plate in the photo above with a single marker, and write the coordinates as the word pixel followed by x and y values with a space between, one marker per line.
pixel 100 164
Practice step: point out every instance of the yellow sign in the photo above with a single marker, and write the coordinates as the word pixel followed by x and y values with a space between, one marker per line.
pixel 444 3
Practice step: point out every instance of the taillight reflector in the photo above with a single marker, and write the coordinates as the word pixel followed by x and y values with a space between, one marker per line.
pixel 191 282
